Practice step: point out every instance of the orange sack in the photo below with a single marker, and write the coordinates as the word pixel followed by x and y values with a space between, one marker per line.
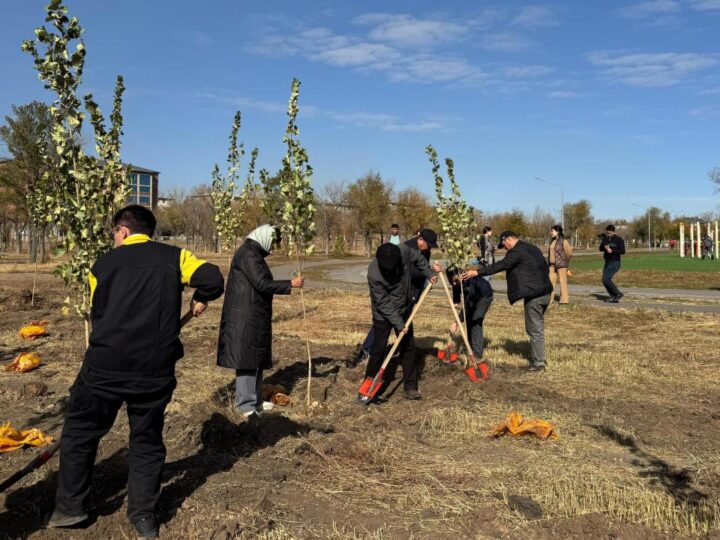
pixel 33 330
pixel 24 362
pixel 12 439
pixel 516 426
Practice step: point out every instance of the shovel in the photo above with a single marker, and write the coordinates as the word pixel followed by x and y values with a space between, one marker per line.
pixel 476 371
pixel 40 460
pixel 371 385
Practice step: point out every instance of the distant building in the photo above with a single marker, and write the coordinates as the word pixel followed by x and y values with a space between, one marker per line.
pixel 143 187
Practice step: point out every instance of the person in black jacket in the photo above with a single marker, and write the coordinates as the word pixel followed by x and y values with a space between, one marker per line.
pixel 389 280
pixel 477 293
pixel 424 242
pixel 612 247
pixel 135 290
pixel 527 279
pixel 245 341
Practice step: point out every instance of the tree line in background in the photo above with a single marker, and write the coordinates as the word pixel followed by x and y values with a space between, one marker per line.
pixel 351 216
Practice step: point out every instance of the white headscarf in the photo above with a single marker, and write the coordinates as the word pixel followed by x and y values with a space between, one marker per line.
pixel 264 236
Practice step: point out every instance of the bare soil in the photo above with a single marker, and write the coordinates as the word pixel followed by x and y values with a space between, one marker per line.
pixel 634 394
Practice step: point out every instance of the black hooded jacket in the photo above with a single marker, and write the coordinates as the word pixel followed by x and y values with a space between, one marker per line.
pixel 391 296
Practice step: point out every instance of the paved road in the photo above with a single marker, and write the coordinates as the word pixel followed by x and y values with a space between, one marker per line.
pixel 350 275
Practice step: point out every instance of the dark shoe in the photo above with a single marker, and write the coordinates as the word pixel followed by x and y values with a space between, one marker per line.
pixel 146 527
pixel 412 394
pixel 536 368
pixel 58 519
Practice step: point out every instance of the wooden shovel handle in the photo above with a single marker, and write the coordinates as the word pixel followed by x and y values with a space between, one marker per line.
pixel 186 318
pixel 461 326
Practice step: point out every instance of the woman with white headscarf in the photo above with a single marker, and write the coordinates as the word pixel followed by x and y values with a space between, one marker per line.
pixel 245 342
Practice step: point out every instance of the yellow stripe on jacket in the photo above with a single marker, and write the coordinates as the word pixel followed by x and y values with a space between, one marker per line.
pixel 188 262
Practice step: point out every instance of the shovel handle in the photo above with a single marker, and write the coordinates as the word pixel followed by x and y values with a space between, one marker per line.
pixel 461 326
pixel 405 329
pixel 186 318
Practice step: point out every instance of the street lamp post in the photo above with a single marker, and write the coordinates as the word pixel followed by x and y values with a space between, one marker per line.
pixel 648 214
pixel 562 198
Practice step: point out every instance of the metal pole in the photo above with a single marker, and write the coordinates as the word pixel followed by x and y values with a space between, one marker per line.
pixel 562 207
pixel 649 235
pixel 717 249
pixel 698 240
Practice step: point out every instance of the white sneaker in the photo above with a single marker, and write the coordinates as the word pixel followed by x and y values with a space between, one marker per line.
pixel 266 406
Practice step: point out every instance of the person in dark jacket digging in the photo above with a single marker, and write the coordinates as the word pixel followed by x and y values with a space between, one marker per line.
pixel 478 296
pixel 527 279
pixel 135 290
pixel 389 280
pixel 245 342
pixel 424 242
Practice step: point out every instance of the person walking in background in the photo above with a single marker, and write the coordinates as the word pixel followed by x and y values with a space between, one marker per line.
pixel 559 255
pixel 245 341
pixel 136 295
pixel 487 248
pixel 527 279
pixel 394 234
pixel 707 247
pixel 612 247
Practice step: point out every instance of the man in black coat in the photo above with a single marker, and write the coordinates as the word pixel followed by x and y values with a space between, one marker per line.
pixel 245 342
pixel 612 247
pixel 389 280
pixel 424 242
pixel 136 292
pixel 527 279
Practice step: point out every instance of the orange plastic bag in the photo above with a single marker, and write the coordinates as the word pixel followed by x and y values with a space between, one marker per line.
pixel 516 426
pixel 33 330
pixel 12 439
pixel 24 362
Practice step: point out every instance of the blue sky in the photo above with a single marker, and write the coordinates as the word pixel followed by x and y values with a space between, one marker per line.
pixel 617 101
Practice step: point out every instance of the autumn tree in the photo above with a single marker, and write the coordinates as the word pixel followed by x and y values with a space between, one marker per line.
pixel 330 214
pixel 27 136
pixel 369 198
pixel 579 223
pixel 414 211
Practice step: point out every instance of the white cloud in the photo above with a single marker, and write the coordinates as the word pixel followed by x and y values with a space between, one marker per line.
pixel 200 39
pixel 705 5
pixel 705 113
pixel 375 55
pixel 505 42
pixel 387 122
pixel 535 17
pixel 652 70
pixel 650 9
pixel 526 72
pixel 407 31
pixel 563 94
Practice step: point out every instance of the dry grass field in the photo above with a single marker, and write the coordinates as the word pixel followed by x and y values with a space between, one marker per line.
pixel 634 394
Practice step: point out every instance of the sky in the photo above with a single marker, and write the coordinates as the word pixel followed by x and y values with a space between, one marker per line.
pixel 617 102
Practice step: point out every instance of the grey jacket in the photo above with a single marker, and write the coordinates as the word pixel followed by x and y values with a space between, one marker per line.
pixel 391 301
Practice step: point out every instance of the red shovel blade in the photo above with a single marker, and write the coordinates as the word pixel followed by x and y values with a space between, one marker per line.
pixel 480 372
pixel 369 389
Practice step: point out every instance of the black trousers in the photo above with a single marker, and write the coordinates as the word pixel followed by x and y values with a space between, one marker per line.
pixel 410 365
pixel 90 415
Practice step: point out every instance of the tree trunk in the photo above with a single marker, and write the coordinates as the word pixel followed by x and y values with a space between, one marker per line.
pixel 18 239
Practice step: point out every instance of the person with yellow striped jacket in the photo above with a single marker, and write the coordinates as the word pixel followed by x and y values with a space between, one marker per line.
pixel 136 294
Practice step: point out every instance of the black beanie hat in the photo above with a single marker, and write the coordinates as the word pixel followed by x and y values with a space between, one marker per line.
pixel 388 256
